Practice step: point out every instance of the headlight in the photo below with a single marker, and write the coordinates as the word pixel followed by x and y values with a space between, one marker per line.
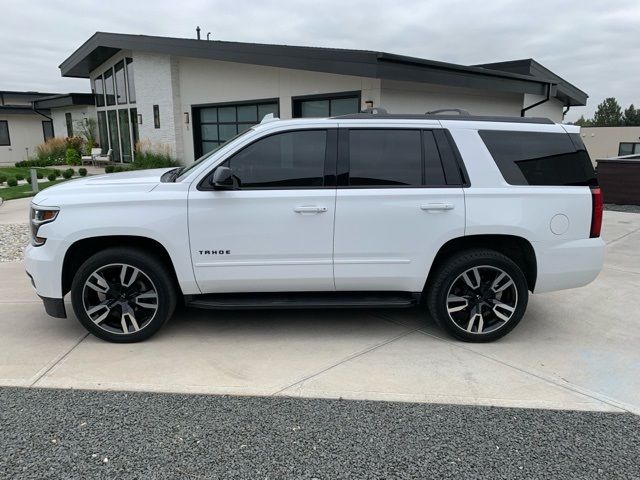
pixel 38 217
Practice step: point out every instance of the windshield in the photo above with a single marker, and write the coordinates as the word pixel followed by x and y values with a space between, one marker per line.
pixel 185 170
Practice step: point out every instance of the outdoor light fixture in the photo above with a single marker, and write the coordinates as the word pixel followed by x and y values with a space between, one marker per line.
pixel 369 103
pixel 186 118
pixel 139 119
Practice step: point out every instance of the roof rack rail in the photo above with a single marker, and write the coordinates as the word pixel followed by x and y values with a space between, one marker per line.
pixel 375 111
pixel 445 110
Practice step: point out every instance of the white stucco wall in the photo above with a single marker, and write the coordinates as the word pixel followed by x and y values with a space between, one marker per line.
pixel 551 109
pixel 410 97
pixel 603 142
pixel 25 132
pixel 78 114
pixel 209 81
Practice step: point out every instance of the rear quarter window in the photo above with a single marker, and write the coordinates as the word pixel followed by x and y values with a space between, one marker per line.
pixel 540 158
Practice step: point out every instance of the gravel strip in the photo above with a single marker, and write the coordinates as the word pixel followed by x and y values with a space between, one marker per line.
pixel 622 208
pixel 81 434
pixel 13 238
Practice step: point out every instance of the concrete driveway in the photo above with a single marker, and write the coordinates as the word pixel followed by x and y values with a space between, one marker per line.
pixel 576 349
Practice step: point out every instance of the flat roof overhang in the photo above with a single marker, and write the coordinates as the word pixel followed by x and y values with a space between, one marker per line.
pixel 102 46
pixel 64 100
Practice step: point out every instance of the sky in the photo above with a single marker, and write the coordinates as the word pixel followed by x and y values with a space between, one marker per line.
pixel 593 44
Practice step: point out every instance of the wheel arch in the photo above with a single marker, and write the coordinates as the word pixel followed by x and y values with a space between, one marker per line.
pixel 82 249
pixel 516 248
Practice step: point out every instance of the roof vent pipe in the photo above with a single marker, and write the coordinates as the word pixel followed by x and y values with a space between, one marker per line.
pixel 208 33
pixel 198 32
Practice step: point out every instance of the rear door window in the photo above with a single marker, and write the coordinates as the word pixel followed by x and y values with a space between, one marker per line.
pixel 379 157
pixel 540 158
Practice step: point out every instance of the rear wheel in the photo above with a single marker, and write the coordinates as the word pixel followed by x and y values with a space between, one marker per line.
pixel 123 295
pixel 478 295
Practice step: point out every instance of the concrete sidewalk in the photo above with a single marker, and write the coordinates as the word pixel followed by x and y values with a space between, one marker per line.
pixel 576 349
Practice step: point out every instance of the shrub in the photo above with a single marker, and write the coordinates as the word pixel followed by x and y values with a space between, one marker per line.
pixel 149 155
pixel 39 174
pixel 119 168
pixel 52 177
pixel 19 176
pixel 82 172
pixel 109 169
pixel 57 173
pixel 3 178
pixel 12 182
pixel 72 157
pixel 76 143
pixel 51 152
pixel 67 174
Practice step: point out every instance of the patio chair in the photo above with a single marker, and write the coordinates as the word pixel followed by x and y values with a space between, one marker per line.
pixel 103 159
pixel 88 159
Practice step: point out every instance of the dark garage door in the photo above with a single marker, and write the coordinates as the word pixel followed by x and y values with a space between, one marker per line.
pixel 215 124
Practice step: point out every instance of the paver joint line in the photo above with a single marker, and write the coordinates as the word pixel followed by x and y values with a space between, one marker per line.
pixel 345 360
pixel 57 361
pixel 567 386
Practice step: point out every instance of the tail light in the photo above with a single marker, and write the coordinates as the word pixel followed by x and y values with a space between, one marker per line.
pixel 596 212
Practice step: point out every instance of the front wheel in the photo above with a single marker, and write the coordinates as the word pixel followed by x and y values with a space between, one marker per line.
pixel 123 295
pixel 478 295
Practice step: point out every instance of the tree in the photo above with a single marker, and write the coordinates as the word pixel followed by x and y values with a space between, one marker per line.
pixel 632 116
pixel 608 114
pixel 87 130
pixel 583 122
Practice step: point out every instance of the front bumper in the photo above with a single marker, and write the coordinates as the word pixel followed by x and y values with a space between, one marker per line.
pixel 44 267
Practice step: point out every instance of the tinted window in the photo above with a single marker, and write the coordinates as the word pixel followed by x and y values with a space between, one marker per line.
pixel 538 158
pixel 109 87
pixel 121 90
pixel 433 172
pixel 292 159
pixel 4 133
pixel 47 129
pixel 132 86
pixel 99 88
pixel 385 157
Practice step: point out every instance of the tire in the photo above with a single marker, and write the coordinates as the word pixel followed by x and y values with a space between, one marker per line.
pixel 123 295
pixel 484 313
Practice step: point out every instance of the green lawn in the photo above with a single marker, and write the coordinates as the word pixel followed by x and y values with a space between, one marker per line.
pixel 22 191
pixel 13 171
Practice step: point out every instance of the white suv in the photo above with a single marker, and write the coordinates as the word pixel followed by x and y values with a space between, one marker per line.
pixel 462 214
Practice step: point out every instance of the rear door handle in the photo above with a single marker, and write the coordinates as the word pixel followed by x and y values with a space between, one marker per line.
pixel 437 206
pixel 309 209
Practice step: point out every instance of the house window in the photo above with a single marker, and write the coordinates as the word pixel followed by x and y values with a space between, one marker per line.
pixel 215 124
pixel 103 131
pixel 121 89
pixel 47 129
pixel 69 120
pixel 98 85
pixel 628 148
pixel 4 133
pixel 114 138
pixel 109 87
pixel 130 82
pixel 156 116
pixel 329 105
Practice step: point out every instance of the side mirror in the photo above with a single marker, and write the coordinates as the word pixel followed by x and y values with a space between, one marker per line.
pixel 223 179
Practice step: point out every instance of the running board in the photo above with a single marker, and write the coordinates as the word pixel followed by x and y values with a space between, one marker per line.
pixel 248 301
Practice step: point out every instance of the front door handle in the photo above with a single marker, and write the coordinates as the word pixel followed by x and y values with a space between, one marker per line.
pixel 436 206
pixel 309 210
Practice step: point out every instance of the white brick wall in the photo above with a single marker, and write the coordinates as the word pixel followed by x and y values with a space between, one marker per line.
pixel 157 84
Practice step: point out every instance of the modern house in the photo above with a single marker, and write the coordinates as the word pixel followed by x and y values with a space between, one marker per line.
pixel 29 118
pixel 191 94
